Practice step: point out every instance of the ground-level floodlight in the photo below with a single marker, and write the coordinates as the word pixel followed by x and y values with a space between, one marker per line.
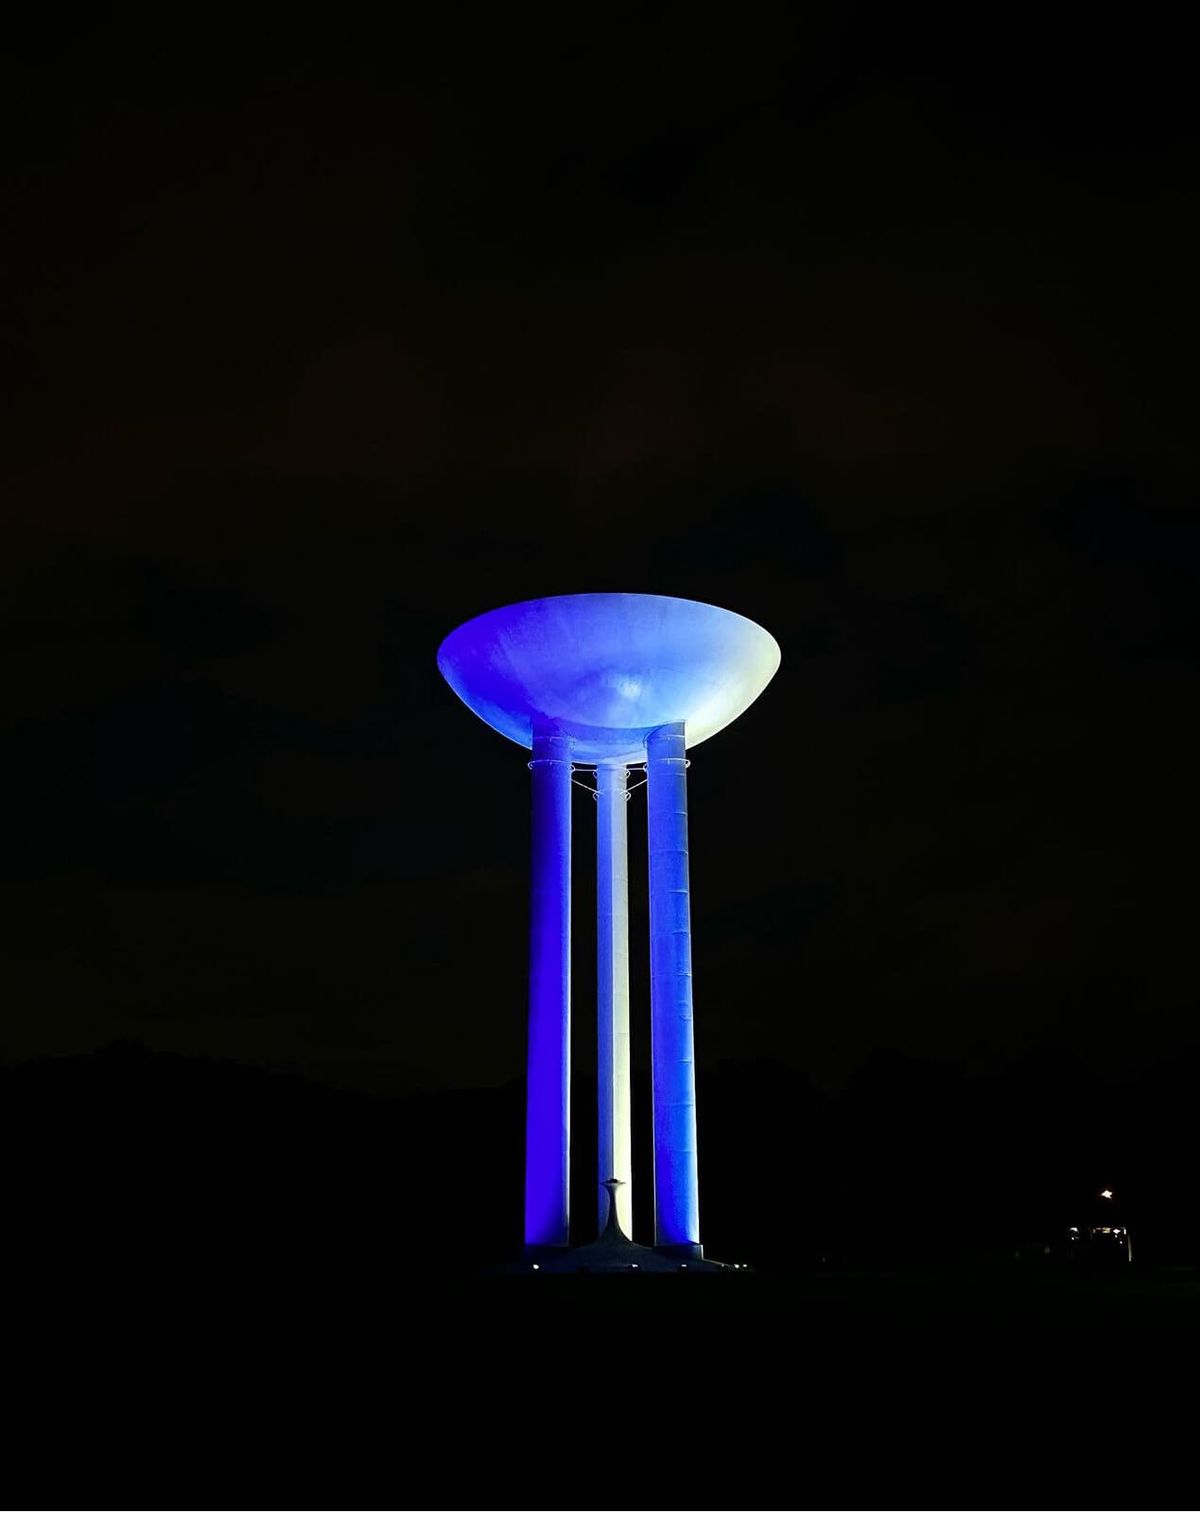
pixel 606 681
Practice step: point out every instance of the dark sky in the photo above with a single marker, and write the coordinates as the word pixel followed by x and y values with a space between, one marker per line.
pixel 320 341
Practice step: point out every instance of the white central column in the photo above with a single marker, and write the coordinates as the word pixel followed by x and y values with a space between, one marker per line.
pixel 615 1145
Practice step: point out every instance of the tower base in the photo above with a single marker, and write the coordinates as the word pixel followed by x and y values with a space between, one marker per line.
pixel 681 1252
pixel 610 1257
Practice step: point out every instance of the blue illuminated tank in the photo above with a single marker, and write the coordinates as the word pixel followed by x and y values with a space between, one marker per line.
pixel 597 683
pixel 608 669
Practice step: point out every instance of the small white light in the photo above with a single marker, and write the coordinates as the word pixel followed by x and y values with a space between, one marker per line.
pixel 1107 1193
pixel 633 1266
pixel 536 1267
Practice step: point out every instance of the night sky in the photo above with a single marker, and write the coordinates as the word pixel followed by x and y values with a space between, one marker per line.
pixel 321 341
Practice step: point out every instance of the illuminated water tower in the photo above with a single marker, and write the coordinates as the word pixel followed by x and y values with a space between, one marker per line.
pixel 603 682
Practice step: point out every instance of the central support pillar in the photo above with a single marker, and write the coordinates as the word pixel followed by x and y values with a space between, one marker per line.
pixel 615 1144
pixel 676 1179
pixel 548 1085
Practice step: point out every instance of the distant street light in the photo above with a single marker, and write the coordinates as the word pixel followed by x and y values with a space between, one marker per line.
pixel 1107 1193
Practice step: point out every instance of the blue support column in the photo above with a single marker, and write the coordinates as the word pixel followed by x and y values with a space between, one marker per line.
pixel 615 1144
pixel 676 1181
pixel 548 1086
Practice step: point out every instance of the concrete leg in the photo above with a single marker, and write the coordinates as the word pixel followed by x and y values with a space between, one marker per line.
pixel 615 1145
pixel 548 1087
pixel 676 1181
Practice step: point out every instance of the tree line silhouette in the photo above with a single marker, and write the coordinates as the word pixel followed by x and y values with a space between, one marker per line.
pixel 133 1161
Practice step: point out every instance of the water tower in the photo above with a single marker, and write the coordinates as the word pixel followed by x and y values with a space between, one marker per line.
pixel 605 682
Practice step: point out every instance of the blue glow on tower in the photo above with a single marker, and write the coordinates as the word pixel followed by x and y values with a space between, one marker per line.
pixel 548 1065
pixel 606 680
pixel 676 1179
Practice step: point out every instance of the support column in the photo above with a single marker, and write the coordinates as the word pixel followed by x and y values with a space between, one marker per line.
pixel 548 1085
pixel 676 1181
pixel 615 1144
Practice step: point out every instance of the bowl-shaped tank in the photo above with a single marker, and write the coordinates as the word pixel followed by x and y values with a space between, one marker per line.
pixel 607 669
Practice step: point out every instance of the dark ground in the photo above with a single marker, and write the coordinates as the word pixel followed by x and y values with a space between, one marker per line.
pixel 927 1387
pixel 789 1317
pixel 249 1315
